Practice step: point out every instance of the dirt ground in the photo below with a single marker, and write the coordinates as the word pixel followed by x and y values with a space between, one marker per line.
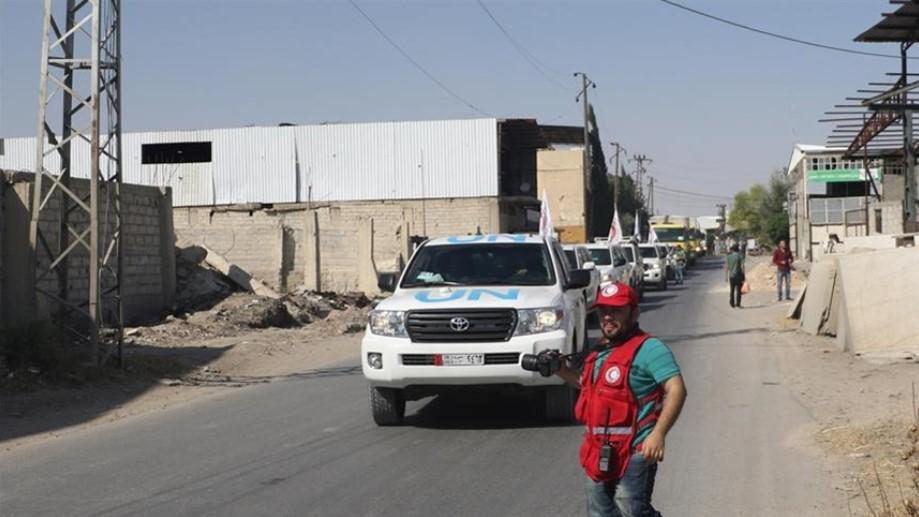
pixel 183 359
pixel 864 408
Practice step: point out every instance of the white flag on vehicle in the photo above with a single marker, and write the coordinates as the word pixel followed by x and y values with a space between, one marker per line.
pixel 615 229
pixel 652 235
pixel 545 218
pixel 637 232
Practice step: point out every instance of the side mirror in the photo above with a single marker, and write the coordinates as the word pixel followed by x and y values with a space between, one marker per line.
pixel 578 279
pixel 387 282
pixel 590 266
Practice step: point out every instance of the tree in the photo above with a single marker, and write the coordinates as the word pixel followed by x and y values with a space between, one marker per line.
pixel 760 211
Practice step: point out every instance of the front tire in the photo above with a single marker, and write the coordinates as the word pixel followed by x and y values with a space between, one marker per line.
pixel 387 405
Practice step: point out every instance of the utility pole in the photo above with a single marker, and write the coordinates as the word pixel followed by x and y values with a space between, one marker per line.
pixel 81 63
pixel 651 193
pixel 616 176
pixel 586 163
pixel 641 159
pixel 722 208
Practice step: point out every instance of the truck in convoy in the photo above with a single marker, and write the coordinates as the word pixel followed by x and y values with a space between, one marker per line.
pixel 681 231
pixel 464 312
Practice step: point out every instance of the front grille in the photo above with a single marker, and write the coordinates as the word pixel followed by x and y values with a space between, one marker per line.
pixel 484 325
pixel 428 359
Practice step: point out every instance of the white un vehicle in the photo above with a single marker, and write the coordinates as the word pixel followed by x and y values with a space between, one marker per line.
pixel 464 312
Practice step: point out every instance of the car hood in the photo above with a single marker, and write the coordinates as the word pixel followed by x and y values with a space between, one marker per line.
pixel 462 297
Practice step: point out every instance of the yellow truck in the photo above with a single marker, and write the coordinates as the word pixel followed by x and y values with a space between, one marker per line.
pixel 680 231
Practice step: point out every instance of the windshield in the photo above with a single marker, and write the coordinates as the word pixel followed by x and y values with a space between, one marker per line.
pixel 601 256
pixel 629 254
pixel 670 234
pixel 481 264
pixel 572 259
pixel 648 252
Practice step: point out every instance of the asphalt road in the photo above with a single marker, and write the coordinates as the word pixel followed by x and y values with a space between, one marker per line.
pixel 307 446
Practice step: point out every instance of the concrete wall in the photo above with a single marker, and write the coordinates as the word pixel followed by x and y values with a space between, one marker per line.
pixel 148 281
pixel 287 246
pixel 559 174
pixel 878 310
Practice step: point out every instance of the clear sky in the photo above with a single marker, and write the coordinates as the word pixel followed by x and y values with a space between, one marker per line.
pixel 715 107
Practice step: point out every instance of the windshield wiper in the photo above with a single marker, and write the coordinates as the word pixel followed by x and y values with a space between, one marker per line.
pixel 439 283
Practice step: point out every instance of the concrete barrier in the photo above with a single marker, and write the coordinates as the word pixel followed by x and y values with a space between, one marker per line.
pixel 820 285
pixel 879 299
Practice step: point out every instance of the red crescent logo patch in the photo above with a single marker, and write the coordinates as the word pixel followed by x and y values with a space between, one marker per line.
pixel 613 375
pixel 611 290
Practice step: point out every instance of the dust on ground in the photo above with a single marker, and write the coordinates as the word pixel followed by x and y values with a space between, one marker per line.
pixel 216 338
pixel 864 409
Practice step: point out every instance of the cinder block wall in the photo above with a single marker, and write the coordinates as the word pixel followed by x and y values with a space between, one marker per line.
pixel 148 276
pixel 275 244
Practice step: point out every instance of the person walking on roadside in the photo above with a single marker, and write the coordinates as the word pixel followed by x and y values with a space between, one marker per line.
pixel 734 272
pixel 783 260
pixel 632 393
pixel 679 264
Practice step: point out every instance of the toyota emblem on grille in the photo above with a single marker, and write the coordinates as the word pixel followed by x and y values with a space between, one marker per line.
pixel 459 324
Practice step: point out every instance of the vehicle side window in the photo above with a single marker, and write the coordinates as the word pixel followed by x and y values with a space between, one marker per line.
pixel 563 268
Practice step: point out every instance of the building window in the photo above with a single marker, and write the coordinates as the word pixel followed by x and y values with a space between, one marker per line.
pixel 830 210
pixel 878 221
pixel 177 152
pixel 2 150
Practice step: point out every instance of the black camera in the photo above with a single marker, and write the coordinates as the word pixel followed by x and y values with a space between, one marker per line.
pixel 546 362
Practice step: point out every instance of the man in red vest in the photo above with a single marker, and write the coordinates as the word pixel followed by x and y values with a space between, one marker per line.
pixel 631 395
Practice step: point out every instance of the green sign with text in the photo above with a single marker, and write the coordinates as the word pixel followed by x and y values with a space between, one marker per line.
pixel 840 175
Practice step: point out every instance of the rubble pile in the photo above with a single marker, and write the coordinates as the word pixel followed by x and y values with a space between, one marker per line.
pixel 762 275
pixel 198 287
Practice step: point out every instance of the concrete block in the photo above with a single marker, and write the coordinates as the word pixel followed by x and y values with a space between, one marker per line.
pixel 877 309
pixel 820 286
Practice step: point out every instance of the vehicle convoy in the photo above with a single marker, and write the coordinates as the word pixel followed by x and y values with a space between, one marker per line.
pixel 681 231
pixel 579 258
pixel 655 264
pixel 612 266
pixel 634 272
pixel 463 314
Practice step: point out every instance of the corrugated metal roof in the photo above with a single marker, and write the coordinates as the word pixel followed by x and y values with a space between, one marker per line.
pixel 340 162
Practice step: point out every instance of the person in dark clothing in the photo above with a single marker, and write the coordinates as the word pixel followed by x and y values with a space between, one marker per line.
pixel 782 260
pixel 734 271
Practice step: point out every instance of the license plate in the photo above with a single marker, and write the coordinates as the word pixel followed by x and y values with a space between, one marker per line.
pixel 463 359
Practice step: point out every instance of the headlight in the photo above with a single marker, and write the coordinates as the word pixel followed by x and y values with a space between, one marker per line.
pixel 606 277
pixel 698 249
pixel 388 323
pixel 537 321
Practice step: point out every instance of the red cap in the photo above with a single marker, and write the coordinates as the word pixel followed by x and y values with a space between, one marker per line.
pixel 617 295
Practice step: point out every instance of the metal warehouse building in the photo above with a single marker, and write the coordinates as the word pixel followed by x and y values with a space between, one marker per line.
pixel 330 205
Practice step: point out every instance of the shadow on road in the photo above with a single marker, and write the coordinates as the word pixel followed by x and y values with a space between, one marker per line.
pixel 483 410
pixel 676 338
pixel 82 395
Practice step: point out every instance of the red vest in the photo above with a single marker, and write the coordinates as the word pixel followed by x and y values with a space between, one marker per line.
pixel 609 409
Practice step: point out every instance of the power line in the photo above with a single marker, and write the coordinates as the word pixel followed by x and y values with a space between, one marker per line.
pixel 530 58
pixel 416 63
pixel 688 193
pixel 776 35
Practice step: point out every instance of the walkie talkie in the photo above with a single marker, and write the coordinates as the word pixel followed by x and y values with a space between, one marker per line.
pixel 606 450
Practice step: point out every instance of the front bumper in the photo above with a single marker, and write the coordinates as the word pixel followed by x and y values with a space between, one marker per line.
pixel 652 276
pixel 395 374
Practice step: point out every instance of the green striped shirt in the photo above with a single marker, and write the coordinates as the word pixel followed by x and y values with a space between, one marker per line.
pixel 654 364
